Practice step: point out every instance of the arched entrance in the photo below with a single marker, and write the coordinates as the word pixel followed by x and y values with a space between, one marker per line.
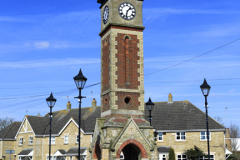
pixel 132 150
pixel 97 153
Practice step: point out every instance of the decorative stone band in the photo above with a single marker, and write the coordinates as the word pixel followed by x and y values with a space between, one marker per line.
pixel 120 26
pixel 123 112
pixel 122 90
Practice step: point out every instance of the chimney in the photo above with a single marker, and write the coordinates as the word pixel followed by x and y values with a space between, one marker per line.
pixel 94 103
pixel 69 105
pixel 170 98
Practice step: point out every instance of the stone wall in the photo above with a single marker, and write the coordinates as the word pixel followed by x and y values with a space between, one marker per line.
pixel 193 138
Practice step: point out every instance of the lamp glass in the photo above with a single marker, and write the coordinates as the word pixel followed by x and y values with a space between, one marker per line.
pixel 205 91
pixel 80 83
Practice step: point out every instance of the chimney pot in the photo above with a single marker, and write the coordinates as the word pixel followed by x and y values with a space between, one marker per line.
pixel 94 103
pixel 69 105
pixel 170 98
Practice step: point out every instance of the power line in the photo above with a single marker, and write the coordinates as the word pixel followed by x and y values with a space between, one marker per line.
pixel 41 95
pixel 194 57
pixel 195 80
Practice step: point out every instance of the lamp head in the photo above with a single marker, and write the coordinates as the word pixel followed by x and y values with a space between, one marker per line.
pixel 150 105
pixel 51 101
pixel 80 80
pixel 205 88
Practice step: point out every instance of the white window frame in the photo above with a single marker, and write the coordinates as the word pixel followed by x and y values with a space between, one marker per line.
pixel 66 139
pixel 158 137
pixel 122 158
pixel 52 158
pixel 21 141
pixel 53 140
pixel 30 142
pixel 205 136
pixel 77 138
pixel 162 156
pixel 181 157
pixel 206 157
pixel 181 136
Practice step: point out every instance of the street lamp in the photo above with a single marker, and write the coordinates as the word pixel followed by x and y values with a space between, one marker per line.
pixel 150 106
pixel 80 81
pixel 205 90
pixel 51 102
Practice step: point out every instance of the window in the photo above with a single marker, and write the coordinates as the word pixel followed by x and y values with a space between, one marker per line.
pixel 180 136
pixel 181 157
pixel 20 141
pixel 162 157
pixel 30 140
pixel 204 135
pixel 51 158
pixel 70 157
pixel 77 138
pixel 206 157
pixel 66 139
pixel 121 156
pixel 52 140
pixel 160 136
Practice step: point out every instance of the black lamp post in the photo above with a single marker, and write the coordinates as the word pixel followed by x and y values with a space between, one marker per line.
pixel 205 90
pixel 150 106
pixel 80 81
pixel 51 102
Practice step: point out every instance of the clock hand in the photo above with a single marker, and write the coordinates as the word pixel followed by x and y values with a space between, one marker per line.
pixel 128 10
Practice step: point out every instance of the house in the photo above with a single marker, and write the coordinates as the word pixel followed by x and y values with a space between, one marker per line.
pixel 181 125
pixel 177 124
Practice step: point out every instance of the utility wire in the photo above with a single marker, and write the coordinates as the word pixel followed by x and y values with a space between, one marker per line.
pixel 195 80
pixel 194 57
pixel 146 74
pixel 7 98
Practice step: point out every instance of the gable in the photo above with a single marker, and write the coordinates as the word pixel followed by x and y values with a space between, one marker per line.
pixel 132 131
pixel 26 127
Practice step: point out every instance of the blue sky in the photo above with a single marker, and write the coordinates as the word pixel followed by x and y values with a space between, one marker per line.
pixel 43 44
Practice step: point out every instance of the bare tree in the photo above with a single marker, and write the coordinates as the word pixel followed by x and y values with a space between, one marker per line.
pixel 4 122
pixel 235 134
pixel 219 120
pixel 234 131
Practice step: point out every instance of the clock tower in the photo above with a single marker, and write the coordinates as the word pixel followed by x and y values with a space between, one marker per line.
pixel 122 132
pixel 122 81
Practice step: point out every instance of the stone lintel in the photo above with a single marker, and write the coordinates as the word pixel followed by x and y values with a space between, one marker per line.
pixel 124 112
pixel 121 25
pixel 122 90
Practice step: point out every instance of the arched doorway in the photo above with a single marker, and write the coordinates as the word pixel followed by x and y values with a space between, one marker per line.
pixel 131 152
pixel 97 153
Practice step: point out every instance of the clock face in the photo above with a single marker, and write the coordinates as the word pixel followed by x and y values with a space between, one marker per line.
pixel 127 11
pixel 105 14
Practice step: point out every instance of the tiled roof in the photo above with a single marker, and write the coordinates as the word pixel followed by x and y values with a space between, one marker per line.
pixel 180 115
pixel 162 149
pixel 26 151
pixel 10 131
pixel 74 151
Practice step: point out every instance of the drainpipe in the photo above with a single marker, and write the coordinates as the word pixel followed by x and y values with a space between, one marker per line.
pixel 43 147
pixel 1 148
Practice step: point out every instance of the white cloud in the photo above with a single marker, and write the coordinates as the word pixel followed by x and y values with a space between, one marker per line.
pixel 42 45
pixel 48 62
